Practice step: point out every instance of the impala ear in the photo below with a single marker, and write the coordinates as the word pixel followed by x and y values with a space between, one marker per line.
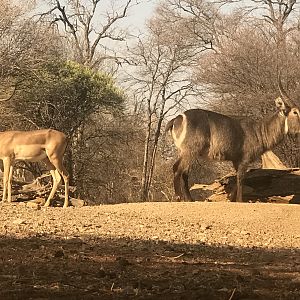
pixel 282 106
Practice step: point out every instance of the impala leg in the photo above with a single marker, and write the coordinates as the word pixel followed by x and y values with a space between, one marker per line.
pixel 9 183
pixel 56 179
pixel 61 171
pixel 5 180
pixel 6 172
pixel 65 175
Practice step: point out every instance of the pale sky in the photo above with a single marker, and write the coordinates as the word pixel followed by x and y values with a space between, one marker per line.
pixel 138 15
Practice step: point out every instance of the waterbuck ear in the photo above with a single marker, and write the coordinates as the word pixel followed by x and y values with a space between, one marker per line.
pixel 280 104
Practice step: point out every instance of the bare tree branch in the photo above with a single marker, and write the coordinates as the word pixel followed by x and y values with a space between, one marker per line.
pixel 87 28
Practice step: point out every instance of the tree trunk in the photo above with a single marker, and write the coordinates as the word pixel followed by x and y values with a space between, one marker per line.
pixel 144 185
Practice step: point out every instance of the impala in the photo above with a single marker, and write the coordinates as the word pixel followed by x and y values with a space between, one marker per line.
pixel 45 145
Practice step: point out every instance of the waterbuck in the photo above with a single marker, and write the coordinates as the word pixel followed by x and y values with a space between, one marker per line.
pixel 199 132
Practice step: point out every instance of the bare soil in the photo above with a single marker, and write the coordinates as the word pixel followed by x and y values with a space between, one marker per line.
pixel 197 250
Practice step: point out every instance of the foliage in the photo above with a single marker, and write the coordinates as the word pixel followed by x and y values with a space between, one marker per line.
pixel 62 95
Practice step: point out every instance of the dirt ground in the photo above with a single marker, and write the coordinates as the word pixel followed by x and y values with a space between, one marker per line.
pixel 197 250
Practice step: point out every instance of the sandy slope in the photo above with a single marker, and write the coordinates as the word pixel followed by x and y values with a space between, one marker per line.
pixel 235 224
pixel 181 250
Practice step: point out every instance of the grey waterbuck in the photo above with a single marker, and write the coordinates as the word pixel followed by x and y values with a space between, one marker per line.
pixel 199 132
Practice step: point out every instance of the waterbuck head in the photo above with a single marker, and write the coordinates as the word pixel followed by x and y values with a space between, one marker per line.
pixel 289 110
pixel 293 121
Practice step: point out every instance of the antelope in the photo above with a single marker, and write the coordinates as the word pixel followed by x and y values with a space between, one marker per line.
pixel 199 132
pixel 45 145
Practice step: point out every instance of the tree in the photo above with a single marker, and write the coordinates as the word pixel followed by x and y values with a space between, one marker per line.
pixel 163 78
pixel 63 94
pixel 24 44
pixel 110 158
pixel 88 25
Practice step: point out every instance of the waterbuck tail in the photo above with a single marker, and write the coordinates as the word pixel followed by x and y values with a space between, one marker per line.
pixel 169 125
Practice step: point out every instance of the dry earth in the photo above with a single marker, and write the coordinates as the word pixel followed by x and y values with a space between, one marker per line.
pixel 158 251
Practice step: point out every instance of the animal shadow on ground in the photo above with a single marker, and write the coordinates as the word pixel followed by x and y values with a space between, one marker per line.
pixel 42 267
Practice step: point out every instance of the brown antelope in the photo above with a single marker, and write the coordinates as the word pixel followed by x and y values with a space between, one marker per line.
pixel 45 145
pixel 199 132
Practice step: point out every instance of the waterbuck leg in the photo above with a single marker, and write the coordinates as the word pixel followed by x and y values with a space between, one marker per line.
pixel 176 182
pixel 186 190
pixel 181 170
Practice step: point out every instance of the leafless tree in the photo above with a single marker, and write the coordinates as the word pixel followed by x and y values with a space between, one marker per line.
pixel 24 46
pixel 162 78
pixel 88 25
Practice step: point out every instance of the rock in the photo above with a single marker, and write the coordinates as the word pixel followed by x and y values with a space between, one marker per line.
pixel 224 289
pixel 101 273
pixel 77 202
pixel 129 290
pixel 33 205
pixel 39 200
pixel 244 232
pixel 205 226
pixel 19 221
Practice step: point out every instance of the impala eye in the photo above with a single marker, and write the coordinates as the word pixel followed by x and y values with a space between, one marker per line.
pixel 295 112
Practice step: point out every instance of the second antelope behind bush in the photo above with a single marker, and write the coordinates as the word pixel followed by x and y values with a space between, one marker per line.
pixel 199 132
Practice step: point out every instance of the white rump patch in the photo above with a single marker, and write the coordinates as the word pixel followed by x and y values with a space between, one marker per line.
pixel 178 140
